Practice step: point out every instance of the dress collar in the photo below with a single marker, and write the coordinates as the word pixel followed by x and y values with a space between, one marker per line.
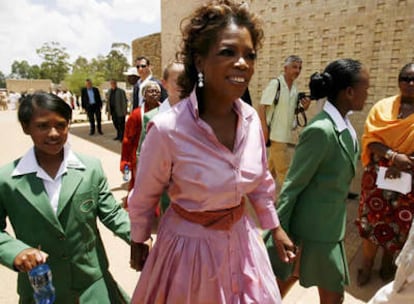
pixel 28 163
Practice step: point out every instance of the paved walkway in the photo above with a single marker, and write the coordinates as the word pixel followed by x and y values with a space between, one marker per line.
pixel 15 143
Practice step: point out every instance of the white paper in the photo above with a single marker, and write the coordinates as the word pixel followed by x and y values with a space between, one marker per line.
pixel 402 184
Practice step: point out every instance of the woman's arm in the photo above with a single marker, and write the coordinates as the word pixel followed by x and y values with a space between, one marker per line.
pixel 399 161
pixel 153 175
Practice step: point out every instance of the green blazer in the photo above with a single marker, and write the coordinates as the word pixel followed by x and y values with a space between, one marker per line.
pixel 311 204
pixel 71 238
pixel 147 117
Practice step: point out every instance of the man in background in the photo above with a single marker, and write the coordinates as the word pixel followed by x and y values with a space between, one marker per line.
pixel 145 74
pixel 92 103
pixel 282 116
pixel 117 108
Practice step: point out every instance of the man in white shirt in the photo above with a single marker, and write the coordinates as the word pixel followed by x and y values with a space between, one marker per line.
pixel 281 116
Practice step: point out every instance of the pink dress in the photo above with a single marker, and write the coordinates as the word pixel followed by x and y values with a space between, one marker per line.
pixel 189 262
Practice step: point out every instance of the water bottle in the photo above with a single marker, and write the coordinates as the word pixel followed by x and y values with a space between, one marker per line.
pixel 127 174
pixel 40 278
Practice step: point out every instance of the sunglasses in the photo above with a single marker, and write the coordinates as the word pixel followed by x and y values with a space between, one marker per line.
pixel 407 79
pixel 143 66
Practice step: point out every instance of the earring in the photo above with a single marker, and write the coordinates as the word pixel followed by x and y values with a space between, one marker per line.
pixel 200 80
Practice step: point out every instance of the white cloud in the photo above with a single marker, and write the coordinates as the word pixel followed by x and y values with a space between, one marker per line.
pixel 85 27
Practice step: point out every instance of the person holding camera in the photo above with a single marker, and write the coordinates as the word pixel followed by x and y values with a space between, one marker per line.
pixel 277 109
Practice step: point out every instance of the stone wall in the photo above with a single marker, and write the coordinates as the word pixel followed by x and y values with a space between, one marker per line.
pixel 376 32
pixel 28 85
pixel 150 47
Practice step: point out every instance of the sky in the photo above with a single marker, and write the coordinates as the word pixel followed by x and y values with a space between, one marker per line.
pixel 85 28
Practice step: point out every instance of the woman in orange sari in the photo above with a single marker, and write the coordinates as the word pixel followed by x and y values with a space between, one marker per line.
pixel 385 216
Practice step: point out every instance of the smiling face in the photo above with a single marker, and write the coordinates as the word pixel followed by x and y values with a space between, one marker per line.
pixel 292 71
pixel 152 95
pixel 229 64
pixel 49 132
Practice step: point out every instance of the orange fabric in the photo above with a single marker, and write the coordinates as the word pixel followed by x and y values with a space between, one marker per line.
pixel 217 219
pixel 383 126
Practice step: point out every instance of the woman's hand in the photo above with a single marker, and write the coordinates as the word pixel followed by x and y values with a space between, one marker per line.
pixel 29 258
pixel 392 172
pixel 401 162
pixel 284 246
pixel 139 254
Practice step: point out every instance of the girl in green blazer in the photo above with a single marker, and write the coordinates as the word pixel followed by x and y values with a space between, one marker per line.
pixel 53 198
pixel 311 205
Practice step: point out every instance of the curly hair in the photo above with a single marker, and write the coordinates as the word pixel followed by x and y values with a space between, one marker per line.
pixel 201 29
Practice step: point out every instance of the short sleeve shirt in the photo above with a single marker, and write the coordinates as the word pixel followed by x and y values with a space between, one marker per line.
pixel 284 113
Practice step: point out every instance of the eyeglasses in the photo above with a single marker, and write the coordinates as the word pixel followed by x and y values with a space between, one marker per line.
pixel 143 66
pixel 406 79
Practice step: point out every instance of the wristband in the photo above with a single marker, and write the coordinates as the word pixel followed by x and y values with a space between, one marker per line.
pixel 393 157
pixel 389 154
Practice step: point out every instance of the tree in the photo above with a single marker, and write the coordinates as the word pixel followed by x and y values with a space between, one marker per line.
pixel 20 69
pixel 83 69
pixel 34 72
pixel 2 80
pixel 116 63
pixel 23 70
pixel 123 48
pixel 55 63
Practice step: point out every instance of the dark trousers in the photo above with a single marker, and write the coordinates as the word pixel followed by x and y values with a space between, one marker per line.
pixel 94 111
pixel 119 124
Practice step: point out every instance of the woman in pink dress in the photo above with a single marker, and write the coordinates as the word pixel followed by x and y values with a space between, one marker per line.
pixel 209 153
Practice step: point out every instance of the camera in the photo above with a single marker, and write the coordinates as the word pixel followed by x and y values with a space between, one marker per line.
pixel 302 95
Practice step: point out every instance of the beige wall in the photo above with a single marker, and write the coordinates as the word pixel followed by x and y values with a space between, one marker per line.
pixel 150 47
pixel 28 85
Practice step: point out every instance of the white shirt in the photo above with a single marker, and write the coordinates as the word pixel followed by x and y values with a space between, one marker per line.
pixel 341 123
pixel 28 164
pixel 284 112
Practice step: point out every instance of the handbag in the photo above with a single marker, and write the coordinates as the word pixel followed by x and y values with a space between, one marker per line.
pixel 275 102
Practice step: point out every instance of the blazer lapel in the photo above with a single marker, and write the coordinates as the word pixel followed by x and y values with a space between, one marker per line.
pixel 70 182
pixel 347 143
pixel 33 190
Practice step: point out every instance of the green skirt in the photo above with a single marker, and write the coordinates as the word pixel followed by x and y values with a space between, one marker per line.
pixel 321 264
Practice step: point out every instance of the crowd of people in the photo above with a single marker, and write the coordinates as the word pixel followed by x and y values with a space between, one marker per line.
pixel 212 162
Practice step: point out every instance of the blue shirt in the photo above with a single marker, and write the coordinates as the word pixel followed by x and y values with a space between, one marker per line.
pixel 91 96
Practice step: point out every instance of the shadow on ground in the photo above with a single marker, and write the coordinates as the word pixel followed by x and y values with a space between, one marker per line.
pixel 106 140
